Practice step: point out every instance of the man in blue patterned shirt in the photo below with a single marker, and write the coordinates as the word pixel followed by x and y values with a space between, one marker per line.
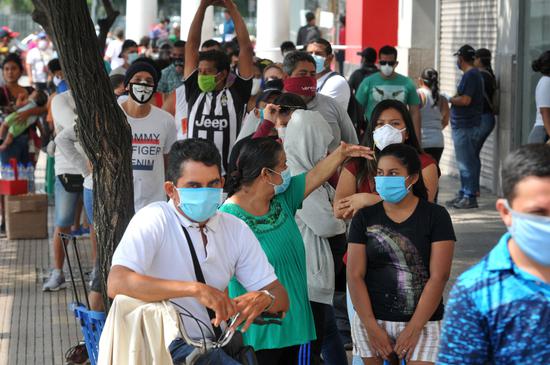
pixel 499 310
pixel 172 76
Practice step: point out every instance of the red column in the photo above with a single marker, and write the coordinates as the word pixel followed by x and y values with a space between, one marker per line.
pixel 370 23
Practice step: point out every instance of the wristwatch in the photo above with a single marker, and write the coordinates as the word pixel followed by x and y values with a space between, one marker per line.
pixel 266 292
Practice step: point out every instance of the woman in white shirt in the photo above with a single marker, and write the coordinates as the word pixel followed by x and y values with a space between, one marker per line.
pixel 541 130
pixel 434 111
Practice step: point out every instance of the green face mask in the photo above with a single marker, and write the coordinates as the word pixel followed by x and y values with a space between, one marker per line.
pixel 207 83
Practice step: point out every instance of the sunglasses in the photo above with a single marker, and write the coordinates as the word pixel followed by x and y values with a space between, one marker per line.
pixel 384 63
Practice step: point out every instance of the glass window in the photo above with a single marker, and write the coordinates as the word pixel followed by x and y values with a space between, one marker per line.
pixel 535 41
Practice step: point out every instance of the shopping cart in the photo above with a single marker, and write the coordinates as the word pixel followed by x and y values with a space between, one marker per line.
pixel 91 322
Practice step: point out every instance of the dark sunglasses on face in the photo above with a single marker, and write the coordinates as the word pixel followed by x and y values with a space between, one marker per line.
pixel 391 63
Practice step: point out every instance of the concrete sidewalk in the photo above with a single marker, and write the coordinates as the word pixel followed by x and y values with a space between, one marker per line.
pixel 37 328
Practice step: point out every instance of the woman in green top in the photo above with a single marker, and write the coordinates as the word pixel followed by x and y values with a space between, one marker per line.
pixel 264 195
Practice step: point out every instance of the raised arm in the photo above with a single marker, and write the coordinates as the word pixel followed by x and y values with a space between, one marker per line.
pixel 328 167
pixel 246 53
pixel 194 38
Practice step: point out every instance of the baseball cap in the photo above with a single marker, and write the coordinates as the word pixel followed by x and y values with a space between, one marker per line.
pixel 127 44
pixel 265 95
pixel 466 51
pixel 368 53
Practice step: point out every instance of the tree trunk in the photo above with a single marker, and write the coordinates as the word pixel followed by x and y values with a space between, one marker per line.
pixel 105 24
pixel 103 129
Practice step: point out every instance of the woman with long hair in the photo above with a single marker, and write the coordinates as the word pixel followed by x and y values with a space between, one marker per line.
pixel 482 61
pixel 391 123
pixel 434 110
pixel 399 260
pixel 265 196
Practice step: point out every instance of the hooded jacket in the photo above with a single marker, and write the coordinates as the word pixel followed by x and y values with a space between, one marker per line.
pixel 307 139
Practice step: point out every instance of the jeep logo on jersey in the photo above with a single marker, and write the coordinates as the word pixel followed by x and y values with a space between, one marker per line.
pixel 219 124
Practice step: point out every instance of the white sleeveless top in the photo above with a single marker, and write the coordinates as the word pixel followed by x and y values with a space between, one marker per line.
pixel 432 134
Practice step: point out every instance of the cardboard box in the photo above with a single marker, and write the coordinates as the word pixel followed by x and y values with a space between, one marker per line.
pixel 27 216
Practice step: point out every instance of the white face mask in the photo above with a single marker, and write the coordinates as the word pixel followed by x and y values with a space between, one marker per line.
pixel 256 83
pixel 141 92
pixel 57 80
pixel 386 70
pixel 386 135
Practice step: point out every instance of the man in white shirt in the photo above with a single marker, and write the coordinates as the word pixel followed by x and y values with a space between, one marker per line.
pixel 153 133
pixel 67 192
pixel 329 82
pixel 153 261
pixel 114 48
pixel 37 62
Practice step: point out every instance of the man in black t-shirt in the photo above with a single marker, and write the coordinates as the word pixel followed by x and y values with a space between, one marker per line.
pixel 215 111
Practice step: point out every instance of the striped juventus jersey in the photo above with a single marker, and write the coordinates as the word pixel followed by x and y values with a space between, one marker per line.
pixel 217 115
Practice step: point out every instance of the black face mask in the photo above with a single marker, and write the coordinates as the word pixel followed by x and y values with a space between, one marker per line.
pixel 178 62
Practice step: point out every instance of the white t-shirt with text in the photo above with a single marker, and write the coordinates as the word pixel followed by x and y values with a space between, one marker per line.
pixel 152 138
pixel 154 245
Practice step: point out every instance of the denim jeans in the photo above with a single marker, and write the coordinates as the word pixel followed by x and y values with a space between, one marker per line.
pixel 538 135
pixel 18 149
pixel 333 346
pixel 88 200
pixel 180 350
pixel 466 141
pixel 485 128
pixel 65 205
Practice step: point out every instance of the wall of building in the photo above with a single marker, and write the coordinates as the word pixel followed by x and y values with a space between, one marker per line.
pixel 473 22
pixel 416 36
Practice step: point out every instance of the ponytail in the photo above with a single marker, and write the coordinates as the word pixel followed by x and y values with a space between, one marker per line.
pixel 256 154
pixel 431 79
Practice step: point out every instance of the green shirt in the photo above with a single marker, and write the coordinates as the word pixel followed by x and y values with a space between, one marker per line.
pixel 18 128
pixel 282 243
pixel 375 88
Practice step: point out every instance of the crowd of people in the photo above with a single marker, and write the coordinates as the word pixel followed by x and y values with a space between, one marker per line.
pixel 291 186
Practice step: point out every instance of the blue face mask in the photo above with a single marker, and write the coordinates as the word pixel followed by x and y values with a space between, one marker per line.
pixel 391 189
pixel 199 204
pixel 532 234
pixel 261 115
pixel 279 189
pixel 319 63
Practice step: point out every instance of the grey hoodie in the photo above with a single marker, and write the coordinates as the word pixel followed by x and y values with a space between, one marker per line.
pixel 307 139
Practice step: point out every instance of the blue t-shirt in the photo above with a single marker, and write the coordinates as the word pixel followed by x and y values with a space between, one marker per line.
pixel 497 314
pixel 469 116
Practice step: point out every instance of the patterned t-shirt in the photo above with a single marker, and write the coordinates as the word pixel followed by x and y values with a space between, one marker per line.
pixel 216 115
pixel 398 256
pixel 497 314
pixel 375 88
